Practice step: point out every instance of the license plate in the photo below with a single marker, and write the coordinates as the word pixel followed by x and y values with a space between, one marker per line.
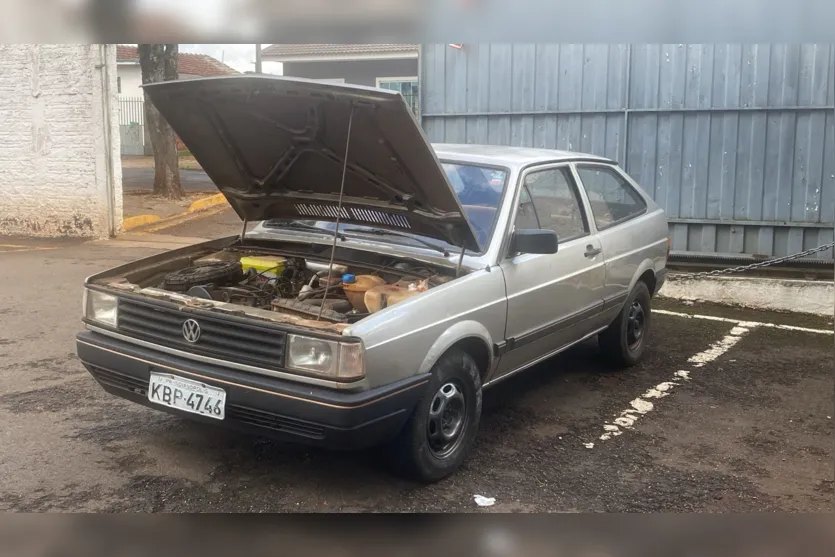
pixel 187 395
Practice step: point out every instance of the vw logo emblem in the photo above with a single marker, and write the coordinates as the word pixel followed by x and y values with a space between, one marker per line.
pixel 191 330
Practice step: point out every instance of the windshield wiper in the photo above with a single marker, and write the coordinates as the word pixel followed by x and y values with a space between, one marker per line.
pixel 302 226
pixel 382 232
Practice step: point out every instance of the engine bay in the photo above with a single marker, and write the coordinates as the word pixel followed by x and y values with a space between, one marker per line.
pixel 303 287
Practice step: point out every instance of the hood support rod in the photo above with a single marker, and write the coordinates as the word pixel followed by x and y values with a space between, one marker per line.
pixel 338 211
pixel 243 231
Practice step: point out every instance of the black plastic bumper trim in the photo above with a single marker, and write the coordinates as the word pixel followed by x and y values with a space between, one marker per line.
pixel 556 326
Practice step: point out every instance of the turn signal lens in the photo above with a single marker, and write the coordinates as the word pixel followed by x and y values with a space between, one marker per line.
pixel 351 361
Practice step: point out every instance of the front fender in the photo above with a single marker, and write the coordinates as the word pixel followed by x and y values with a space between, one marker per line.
pixel 455 333
pixel 408 337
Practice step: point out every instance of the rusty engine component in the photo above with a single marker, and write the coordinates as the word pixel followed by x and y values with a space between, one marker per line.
pixel 307 310
pixel 214 273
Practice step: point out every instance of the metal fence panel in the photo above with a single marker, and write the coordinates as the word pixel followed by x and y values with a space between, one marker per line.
pixel 132 139
pixel 131 125
pixel 735 141
pixel 131 111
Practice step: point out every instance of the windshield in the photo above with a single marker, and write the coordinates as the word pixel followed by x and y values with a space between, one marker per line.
pixel 479 190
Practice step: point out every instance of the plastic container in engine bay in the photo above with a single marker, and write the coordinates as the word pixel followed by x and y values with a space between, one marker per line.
pixel 381 297
pixel 266 265
pixel 356 287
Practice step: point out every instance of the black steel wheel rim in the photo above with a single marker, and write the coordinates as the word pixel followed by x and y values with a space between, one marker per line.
pixel 447 419
pixel 635 325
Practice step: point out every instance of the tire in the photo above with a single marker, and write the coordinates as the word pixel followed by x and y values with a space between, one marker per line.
pixel 210 273
pixel 419 453
pixel 618 342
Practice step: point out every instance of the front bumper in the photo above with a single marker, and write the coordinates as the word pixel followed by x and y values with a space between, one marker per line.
pixel 266 406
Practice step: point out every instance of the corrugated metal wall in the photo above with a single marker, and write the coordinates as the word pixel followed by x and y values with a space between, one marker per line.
pixel 734 141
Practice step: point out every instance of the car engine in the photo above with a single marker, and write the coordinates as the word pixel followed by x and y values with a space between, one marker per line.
pixel 302 287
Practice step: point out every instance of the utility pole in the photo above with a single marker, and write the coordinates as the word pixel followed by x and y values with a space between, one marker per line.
pixel 258 58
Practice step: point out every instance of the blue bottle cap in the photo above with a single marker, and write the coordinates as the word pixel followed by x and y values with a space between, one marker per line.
pixel 349 278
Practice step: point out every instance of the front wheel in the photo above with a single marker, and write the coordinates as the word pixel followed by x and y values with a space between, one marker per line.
pixel 442 428
pixel 624 342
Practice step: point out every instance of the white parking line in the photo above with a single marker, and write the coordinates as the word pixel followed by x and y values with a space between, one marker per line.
pixel 643 404
pixel 744 323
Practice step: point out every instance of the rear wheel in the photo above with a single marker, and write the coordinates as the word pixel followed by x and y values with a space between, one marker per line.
pixel 624 342
pixel 442 428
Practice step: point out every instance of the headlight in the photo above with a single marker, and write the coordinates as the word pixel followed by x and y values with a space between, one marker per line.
pixel 326 357
pixel 101 307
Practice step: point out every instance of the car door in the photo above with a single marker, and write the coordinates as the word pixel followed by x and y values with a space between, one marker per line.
pixel 553 299
pixel 616 209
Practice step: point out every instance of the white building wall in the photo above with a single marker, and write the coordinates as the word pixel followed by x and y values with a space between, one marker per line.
pixel 60 171
pixel 131 78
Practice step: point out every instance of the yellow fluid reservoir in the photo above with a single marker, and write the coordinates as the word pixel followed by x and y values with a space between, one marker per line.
pixel 268 265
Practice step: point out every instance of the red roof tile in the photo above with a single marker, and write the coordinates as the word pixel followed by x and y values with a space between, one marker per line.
pixel 127 53
pixel 188 63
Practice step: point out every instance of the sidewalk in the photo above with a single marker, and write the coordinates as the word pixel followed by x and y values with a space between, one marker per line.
pixel 142 209
pixel 142 203
pixel 187 162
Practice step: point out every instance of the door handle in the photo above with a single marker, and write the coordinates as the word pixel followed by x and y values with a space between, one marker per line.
pixel 591 251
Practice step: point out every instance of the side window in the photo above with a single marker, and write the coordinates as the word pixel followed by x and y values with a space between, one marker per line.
pixel 549 200
pixel 526 214
pixel 611 197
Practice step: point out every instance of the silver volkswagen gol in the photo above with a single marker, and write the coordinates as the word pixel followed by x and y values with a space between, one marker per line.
pixel 386 283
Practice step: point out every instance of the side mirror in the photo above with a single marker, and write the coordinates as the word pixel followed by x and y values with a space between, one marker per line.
pixel 534 241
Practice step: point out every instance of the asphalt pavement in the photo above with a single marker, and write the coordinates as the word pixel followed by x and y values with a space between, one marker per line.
pixel 726 414
pixel 142 179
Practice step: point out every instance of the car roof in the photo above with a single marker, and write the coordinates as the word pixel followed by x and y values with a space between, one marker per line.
pixel 509 156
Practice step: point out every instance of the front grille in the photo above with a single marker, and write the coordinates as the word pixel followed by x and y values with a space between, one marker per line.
pixel 219 338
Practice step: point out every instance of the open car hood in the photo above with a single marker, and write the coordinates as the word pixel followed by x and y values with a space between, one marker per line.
pixel 275 147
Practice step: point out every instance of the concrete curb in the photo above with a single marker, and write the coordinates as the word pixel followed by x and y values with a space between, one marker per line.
pixel 197 206
pixel 797 296
pixel 206 203
pixel 181 218
pixel 129 223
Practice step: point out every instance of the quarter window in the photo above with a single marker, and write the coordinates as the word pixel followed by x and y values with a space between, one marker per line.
pixel 611 197
pixel 549 201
